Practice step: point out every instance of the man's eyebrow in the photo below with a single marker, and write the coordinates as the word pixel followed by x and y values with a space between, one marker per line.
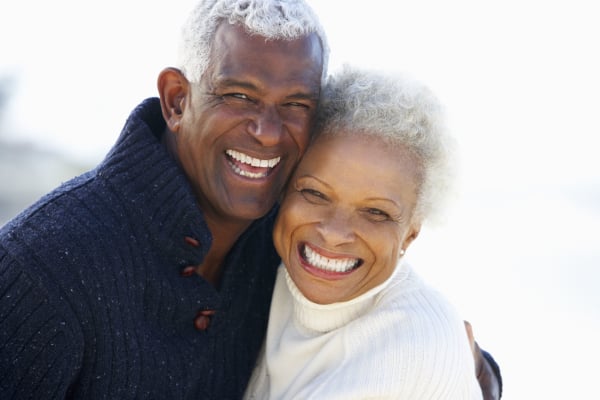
pixel 311 94
pixel 230 82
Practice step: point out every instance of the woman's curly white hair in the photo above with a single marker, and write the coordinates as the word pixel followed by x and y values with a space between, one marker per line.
pixel 405 115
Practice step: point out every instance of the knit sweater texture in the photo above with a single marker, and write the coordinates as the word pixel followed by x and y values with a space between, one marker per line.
pixel 399 340
pixel 93 304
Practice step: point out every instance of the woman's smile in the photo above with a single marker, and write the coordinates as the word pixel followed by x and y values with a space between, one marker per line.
pixel 313 258
pixel 343 225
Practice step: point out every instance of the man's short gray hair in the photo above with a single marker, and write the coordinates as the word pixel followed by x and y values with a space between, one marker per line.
pixel 272 19
pixel 401 112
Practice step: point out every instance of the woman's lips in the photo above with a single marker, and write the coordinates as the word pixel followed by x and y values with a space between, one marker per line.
pixel 316 261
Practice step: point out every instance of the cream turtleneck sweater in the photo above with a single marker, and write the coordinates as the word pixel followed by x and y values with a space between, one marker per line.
pixel 400 340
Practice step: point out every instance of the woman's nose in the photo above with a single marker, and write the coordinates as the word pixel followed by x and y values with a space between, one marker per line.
pixel 336 228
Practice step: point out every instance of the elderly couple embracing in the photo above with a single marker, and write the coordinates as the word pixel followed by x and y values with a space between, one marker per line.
pixel 245 237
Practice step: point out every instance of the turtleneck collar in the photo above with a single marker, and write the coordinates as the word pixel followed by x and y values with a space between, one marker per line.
pixel 322 318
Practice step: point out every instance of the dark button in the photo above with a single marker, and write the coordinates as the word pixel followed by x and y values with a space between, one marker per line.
pixel 191 241
pixel 202 319
pixel 188 271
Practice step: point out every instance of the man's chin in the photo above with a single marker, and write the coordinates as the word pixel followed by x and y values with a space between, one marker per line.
pixel 250 210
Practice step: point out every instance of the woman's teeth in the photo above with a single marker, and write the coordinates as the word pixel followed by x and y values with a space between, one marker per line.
pixel 329 264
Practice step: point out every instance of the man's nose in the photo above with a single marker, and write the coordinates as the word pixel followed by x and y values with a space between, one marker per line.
pixel 266 126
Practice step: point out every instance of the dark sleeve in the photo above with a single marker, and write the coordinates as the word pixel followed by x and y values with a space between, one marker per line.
pixel 38 350
pixel 495 368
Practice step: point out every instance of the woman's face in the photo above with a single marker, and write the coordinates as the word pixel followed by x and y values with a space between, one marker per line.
pixel 346 217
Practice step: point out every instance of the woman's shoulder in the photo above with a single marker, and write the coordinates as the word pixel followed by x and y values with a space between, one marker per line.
pixel 411 308
pixel 416 335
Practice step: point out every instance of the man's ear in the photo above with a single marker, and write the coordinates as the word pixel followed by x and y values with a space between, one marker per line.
pixel 173 89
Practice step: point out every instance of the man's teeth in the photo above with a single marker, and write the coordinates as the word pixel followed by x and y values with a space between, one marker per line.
pixel 329 264
pixel 254 162
pixel 247 174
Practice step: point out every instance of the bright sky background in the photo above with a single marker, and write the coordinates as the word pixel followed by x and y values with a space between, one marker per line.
pixel 520 253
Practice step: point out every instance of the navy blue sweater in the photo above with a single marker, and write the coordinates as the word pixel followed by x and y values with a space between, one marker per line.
pixel 93 303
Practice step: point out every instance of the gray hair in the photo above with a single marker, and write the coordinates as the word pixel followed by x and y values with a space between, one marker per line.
pixel 272 19
pixel 402 113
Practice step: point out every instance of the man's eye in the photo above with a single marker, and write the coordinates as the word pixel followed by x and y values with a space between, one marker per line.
pixel 296 104
pixel 240 96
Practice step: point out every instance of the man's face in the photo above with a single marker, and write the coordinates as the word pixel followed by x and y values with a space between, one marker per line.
pixel 246 124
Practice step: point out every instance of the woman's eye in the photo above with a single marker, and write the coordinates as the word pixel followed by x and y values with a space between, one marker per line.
pixel 376 214
pixel 313 196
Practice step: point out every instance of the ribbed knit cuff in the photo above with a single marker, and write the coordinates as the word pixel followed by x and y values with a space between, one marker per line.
pixel 495 368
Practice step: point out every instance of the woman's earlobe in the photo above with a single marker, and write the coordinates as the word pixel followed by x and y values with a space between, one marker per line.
pixel 412 235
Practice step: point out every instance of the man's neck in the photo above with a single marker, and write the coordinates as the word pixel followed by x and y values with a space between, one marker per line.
pixel 225 232
pixel 224 236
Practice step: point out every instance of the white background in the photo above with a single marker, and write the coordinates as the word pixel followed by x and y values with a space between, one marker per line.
pixel 520 252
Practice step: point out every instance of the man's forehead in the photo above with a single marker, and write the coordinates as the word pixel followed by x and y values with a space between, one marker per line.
pixel 238 58
pixel 230 38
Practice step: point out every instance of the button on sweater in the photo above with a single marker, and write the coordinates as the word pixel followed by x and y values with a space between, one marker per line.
pixel 93 301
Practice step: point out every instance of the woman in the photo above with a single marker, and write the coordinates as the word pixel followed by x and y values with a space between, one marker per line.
pixel 349 318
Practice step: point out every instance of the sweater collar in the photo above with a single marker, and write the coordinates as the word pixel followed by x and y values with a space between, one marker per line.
pixel 154 187
pixel 322 318
pixel 156 190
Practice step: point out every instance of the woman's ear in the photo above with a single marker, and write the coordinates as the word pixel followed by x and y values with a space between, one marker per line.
pixel 413 232
pixel 173 89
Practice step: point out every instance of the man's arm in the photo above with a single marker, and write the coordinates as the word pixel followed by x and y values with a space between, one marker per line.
pixel 488 371
pixel 38 351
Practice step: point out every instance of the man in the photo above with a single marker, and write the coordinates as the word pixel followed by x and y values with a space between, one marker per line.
pixel 151 275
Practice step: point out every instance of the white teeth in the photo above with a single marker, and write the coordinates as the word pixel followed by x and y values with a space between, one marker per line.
pixel 254 162
pixel 329 264
pixel 247 174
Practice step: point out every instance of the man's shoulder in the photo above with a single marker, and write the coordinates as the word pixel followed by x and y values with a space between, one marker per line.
pixel 73 214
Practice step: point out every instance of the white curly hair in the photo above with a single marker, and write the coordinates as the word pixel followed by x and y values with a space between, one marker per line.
pixel 272 19
pixel 404 114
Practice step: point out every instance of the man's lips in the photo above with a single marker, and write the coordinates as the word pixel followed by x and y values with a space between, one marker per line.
pixel 250 167
pixel 336 265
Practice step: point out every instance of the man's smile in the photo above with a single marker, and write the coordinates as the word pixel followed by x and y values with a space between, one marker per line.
pixel 250 167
